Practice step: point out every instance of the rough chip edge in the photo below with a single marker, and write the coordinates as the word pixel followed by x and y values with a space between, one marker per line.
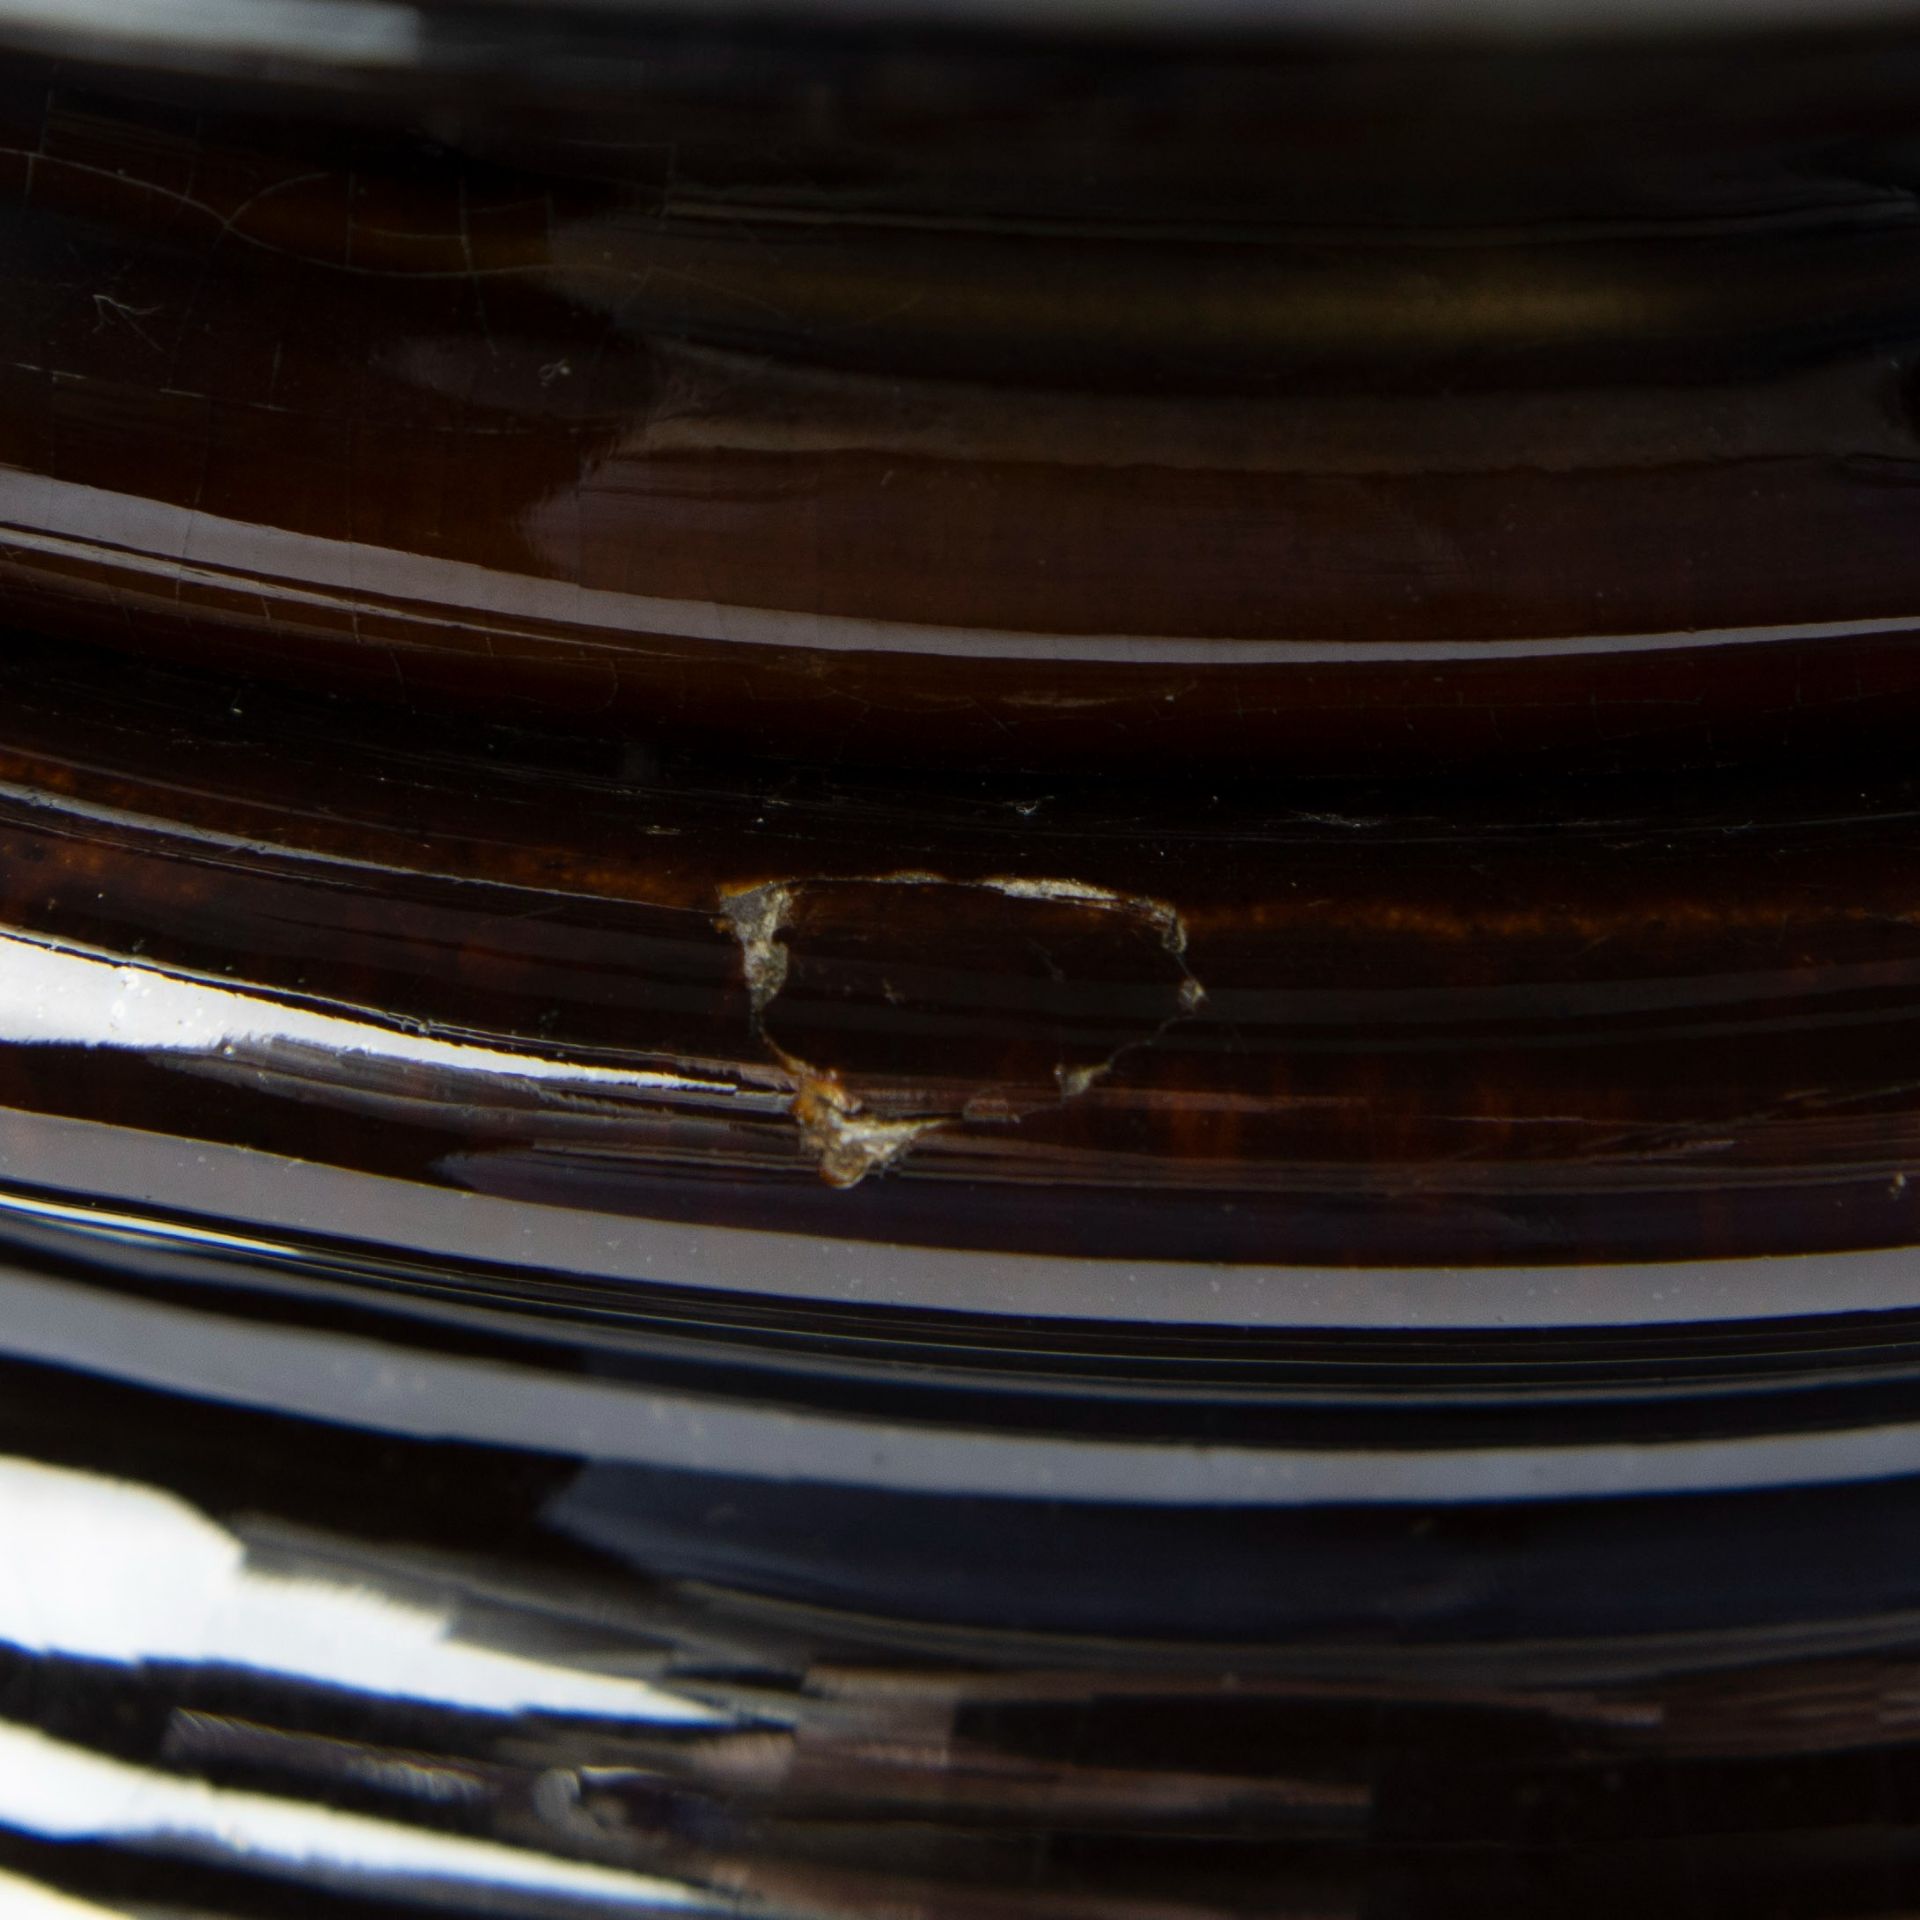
pixel 846 1141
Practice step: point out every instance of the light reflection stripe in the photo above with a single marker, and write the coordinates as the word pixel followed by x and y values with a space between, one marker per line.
pixel 56 996
pixel 58 1791
pixel 177 546
pixel 445 1397
pixel 124 1182
pixel 109 1570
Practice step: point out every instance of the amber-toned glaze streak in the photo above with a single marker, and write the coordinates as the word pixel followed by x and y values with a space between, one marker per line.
pixel 1303 407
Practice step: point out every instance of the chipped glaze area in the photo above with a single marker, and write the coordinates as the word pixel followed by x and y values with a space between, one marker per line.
pixel 1551 1023
pixel 850 1141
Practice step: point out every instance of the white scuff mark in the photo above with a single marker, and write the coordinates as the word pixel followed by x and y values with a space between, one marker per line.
pixel 111 1570
pixel 848 1141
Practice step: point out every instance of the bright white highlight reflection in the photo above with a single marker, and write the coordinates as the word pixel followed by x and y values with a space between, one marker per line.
pixel 50 996
pixel 101 1569
pixel 63 1792
pixel 30 1900
pixel 347 33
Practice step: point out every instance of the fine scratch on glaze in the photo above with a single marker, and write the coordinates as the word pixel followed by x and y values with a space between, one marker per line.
pixel 847 1141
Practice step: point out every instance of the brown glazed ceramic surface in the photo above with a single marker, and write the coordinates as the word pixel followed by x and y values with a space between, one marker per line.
pixel 956 973
pixel 1560 1022
pixel 1321 407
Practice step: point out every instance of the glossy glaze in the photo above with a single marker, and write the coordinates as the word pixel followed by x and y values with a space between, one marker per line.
pixel 1295 405
pixel 1559 1022
pixel 953 974
pixel 665 1690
